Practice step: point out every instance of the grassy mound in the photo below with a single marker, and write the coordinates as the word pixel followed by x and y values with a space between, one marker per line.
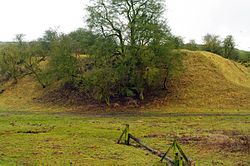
pixel 212 81
pixel 232 71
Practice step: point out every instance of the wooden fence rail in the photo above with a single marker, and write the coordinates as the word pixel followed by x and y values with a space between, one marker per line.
pixel 175 162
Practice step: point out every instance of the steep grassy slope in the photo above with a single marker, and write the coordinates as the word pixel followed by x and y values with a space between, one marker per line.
pixel 232 71
pixel 209 80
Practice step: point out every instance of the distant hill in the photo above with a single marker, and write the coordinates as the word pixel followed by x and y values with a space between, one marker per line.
pixel 244 57
pixel 244 54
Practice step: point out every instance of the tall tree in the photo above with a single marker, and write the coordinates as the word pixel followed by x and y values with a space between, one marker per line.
pixel 142 55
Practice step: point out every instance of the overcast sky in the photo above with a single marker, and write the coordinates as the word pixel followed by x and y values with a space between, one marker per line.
pixel 190 19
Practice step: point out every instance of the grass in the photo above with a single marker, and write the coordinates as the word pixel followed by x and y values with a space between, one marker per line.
pixel 49 138
pixel 208 114
pixel 231 70
pixel 211 81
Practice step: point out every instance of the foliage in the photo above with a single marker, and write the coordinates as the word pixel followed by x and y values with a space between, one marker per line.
pixel 177 42
pixel 140 57
pixel 9 62
pixel 229 50
pixel 82 40
pixel 21 58
pixel 192 45
pixel 31 55
pixel 212 44
pixel 62 63
pixel 46 41
pixel 225 48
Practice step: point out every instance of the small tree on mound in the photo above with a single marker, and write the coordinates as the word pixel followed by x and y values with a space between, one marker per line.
pixel 212 43
pixel 30 55
pixel 192 45
pixel 138 55
pixel 21 58
pixel 229 50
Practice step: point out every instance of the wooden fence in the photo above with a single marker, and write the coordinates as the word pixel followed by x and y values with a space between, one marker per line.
pixel 179 160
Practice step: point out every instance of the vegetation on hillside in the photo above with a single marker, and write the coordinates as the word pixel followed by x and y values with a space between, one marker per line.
pixel 128 43
pixel 207 80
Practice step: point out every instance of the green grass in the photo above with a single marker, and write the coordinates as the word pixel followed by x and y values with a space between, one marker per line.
pixel 244 55
pixel 59 138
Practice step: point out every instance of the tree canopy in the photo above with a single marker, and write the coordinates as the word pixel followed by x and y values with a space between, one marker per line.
pixel 142 39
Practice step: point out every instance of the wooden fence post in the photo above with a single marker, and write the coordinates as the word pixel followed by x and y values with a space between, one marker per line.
pixel 127 138
pixel 125 133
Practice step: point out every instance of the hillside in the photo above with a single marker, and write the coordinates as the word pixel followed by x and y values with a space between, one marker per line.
pixel 208 80
pixel 212 81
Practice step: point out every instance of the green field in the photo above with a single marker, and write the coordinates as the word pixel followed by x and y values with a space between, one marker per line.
pixel 209 137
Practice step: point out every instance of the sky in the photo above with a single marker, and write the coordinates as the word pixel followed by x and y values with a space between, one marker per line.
pixel 190 19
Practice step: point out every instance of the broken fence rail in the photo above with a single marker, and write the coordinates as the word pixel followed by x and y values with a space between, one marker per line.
pixel 127 136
